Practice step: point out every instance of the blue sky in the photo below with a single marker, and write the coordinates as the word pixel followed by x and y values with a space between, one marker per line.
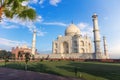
pixel 53 18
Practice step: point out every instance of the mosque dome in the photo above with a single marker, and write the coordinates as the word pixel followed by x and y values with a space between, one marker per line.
pixel 72 30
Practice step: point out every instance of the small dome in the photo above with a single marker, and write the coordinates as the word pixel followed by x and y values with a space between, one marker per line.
pixel 24 46
pixel 60 36
pixel 72 30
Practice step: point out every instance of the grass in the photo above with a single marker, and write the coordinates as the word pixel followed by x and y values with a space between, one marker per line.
pixel 86 70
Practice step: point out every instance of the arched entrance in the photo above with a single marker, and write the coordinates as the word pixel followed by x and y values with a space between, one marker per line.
pixel 65 47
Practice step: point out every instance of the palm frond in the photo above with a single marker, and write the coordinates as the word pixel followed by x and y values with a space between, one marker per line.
pixel 28 14
pixel 22 0
pixel 8 13
pixel 16 4
pixel 14 7
pixel 8 2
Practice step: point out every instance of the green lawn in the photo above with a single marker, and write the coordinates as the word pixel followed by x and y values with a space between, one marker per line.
pixel 86 70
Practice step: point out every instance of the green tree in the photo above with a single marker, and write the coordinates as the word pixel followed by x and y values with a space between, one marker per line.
pixel 1 54
pixel 6 55
pixel 13 8
pixel 13 57
pixel 20 55
pixel 27 59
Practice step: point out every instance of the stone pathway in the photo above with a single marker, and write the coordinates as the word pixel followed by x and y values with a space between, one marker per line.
pixel 13 74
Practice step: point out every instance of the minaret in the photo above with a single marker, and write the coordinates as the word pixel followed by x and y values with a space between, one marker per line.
pixel 34 43
pixel 96 37
pixel 105 47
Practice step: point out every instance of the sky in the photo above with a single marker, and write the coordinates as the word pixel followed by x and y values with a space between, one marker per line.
pixel 54 16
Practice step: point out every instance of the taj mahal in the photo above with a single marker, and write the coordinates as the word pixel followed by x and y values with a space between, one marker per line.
pixel 72 42
pixel 74 45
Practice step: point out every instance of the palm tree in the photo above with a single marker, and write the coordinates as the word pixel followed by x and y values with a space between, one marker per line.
pixel 11 8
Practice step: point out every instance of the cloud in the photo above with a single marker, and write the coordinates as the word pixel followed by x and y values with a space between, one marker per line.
pixel 32 27
pixel 41 2
pixel 40 33
pixel 16 22
pixel 33 1
pixel 8 44
pixel 10 27
pixel 39 18
pixel 54 2
pixel 25 3
pixel 82 25
pixel 7 25
pixel 88 32
pixel 85 28
pixel 55 23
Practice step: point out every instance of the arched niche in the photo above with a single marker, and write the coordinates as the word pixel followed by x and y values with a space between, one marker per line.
pixel 65 47
pixel 82 50
pixel 81 43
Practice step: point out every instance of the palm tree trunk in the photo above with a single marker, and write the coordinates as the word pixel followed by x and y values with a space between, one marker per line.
pixel 1 8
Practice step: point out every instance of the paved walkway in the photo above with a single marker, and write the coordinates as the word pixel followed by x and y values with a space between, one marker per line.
pixel 13 74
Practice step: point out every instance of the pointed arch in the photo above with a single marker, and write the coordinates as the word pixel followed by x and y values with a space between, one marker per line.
pixel 65 47
pixel 81 43
pixel 82 50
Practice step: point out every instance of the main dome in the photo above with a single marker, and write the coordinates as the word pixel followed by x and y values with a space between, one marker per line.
pixel 72 30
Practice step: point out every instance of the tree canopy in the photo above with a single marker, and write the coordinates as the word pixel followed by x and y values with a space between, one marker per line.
pixel 11 8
